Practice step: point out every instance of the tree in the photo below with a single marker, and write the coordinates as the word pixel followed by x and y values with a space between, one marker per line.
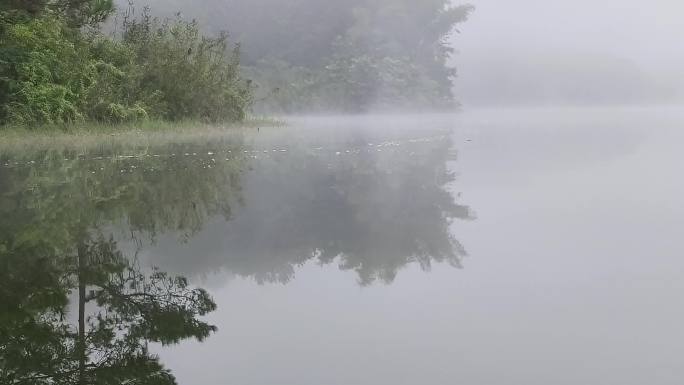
pixel 78 12
pixel 347 56
pixel 58 67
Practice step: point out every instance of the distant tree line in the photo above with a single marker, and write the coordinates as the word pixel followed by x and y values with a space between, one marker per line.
pixel 340 55
pixel 57 66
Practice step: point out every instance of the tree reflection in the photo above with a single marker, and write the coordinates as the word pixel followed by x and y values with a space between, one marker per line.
pixel 120 309
pixel 74 308
pixel 370 209
pixel 77 307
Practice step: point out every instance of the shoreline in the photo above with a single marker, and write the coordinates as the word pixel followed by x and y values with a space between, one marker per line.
pixel 17 140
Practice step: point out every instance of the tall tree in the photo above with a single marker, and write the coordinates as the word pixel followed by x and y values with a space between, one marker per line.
pixel 349 55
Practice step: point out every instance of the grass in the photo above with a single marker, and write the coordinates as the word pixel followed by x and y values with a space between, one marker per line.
pixel 17 140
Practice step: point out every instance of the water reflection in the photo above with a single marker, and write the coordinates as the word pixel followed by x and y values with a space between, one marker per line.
pixel 75 309
pixel 120 309
pixel 79 232
pixel 371 209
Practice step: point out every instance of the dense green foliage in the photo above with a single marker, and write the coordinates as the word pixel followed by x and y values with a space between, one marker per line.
pixel 77 12
pixel 57 67
pixel 343 55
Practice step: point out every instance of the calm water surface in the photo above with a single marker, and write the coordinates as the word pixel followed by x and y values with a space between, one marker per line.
pixel 488 247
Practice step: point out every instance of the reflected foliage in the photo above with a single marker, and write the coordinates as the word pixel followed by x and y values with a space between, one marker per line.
pixel 79 232
pixel 370 209
pixel 136 190
pixel 75 308
pixel 120 310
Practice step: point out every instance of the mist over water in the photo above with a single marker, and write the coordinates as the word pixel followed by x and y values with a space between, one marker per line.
pixel 517 224
pixel 497 246
pixel 567 251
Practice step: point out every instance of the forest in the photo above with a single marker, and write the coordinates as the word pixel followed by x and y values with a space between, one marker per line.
pixel 344 56
pixel 112 62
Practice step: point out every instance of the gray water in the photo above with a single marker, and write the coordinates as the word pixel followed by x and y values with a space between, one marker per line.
pixel 535 246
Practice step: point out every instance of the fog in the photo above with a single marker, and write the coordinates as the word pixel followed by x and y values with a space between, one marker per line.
pixel 351 56
pixel 571 52
pixel 362 55
pixel 338 192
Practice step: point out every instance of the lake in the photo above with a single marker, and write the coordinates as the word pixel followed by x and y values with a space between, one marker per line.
pixel 501 246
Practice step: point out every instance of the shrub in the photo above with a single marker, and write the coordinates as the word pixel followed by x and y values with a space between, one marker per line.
pixel 53 73
pixel 191 75
pixel 45 72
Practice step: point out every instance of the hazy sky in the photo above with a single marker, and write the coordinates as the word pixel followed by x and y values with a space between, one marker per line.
pixel 504 35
